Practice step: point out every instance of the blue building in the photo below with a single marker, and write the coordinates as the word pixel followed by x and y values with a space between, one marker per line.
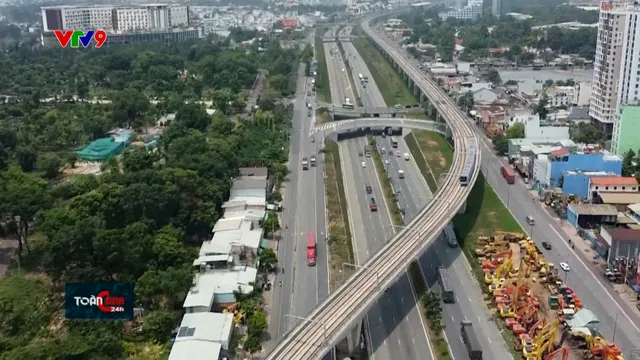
pixel 563 162
pixel 577 182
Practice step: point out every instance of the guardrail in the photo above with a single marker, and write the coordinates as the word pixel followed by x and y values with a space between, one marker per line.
pixel 328 323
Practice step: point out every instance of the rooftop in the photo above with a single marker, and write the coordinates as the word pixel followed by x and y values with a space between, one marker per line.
pixel 620 198
pixel 623 234
pixel 208 326
pixel 228 233
pixel 208 284
pixel 614 180
pixel 249 183
pixel 254 172
pixel 195 350
pixel 634 208
pixel 594 209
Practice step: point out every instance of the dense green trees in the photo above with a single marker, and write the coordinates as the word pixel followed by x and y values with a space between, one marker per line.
pixel 144 217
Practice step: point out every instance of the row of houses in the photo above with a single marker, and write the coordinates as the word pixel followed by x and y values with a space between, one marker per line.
pixel 227 265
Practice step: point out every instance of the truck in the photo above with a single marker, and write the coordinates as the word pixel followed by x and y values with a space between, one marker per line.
pixel 367 151
pixel 311 249
pixel 445 286
pixel 347 104
pixel 470 340
pixel 313 160
pixel 508 174
pixel 305 164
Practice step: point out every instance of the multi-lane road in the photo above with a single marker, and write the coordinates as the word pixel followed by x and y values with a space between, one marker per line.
pixel 395 327
pixel 413 196
pixel 303 287
pixel 615 316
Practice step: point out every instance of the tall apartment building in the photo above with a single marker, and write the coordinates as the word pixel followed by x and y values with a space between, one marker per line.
pixel 616 74
pixel 115 18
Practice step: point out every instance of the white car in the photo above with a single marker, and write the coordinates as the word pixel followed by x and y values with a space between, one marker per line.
pixel 386 162
pixel 406 156
pixel 342 69
pixel 364 164
pixel 564 266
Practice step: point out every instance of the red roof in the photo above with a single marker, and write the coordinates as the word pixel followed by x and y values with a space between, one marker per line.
pixel 623 234
pixel 613 181
pixel 459 41
pixel 560 152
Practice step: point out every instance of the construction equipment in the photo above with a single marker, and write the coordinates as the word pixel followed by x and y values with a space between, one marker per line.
pixel 562 352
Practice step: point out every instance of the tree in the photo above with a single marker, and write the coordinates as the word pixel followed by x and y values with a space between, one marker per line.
pixel 586 133
pixel 628 163
pixel 271 223
pixel 138 159
pixel 500 144
pixel 515 131
pixel 268 260
pixel 258 323
pixel 541 107
pixel 22 197
pixel 493 77
pixel 466 101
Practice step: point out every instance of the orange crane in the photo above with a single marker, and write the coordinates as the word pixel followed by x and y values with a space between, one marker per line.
pixel 489 265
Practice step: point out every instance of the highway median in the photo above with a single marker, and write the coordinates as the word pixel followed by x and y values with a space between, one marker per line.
pixel 323 90
pixel 347 68
pixel 387 187
pixel 339 237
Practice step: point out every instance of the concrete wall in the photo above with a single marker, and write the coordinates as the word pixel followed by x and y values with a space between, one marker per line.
pixel 576 184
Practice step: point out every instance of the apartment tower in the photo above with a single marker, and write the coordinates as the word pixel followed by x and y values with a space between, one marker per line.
pixel 616 74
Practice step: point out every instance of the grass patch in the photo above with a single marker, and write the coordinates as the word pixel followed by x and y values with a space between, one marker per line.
pixel 323 116
pixel 418 155
pixel 347 67
pixel 437 152
pixel 394 90
pixel 387 188
pixel 419 284
pixel 340 246
pixel 323 90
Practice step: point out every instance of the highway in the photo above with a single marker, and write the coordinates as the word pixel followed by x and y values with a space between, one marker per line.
pixel 414 195
pixel 303 287
pixel 396 328
pixel 348 304
pixel 596 292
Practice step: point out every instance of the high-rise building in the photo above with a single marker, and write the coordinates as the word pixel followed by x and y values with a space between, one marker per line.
pixel 500 7
pixel 115 18
pixel 616 73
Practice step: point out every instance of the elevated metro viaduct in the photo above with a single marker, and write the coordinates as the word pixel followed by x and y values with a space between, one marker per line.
pixel 362 127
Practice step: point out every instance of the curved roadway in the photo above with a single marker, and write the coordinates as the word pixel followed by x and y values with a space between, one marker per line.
pixel 336 315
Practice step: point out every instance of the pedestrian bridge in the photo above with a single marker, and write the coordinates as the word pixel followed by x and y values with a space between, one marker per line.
pixel 368 111
pixel 336 127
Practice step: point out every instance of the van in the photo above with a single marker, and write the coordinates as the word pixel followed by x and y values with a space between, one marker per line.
pixel 530 220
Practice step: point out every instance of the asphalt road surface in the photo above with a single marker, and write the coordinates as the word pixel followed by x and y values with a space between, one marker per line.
pixel 303 286
pixel 396 329
pixel 413 195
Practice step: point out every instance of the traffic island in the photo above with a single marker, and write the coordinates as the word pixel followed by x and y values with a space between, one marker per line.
pixel 339 237
pixel 387 188
pixel 323 90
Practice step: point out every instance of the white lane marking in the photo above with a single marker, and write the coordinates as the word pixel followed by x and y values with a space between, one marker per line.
pixel 444 333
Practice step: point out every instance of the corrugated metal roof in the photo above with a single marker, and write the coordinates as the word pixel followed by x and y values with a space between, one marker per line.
pixel 594 209
pixel 623 234
pixel 619 198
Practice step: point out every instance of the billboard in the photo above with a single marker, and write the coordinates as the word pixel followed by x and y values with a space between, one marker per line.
pixel 289 23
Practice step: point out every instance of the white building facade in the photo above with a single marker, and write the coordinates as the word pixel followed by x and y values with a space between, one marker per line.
pixel 616 75
pixel 115 18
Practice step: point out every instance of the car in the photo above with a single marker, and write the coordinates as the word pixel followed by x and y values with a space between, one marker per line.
pixel 383 150
pixel 308 92
pixel 342 69
pixel 386 162
pixel 383 135
pixel 364 164
pixel 360 153
pixel 546 245
pixel 564 266
pixel 397 189
pixel 372 205
pixel 406 156
pixel 368 189
pixel 390 152
pixel 397 153
pixel 313 139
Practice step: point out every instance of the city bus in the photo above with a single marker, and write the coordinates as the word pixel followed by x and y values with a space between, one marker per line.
pixel 394 143
pixel 445 286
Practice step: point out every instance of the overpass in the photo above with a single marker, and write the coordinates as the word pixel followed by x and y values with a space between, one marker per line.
pixel 334 127
pixel 343 38
pixel 339 112
pixel 335 318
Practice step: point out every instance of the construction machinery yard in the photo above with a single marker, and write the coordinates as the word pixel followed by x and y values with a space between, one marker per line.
pixel 547 319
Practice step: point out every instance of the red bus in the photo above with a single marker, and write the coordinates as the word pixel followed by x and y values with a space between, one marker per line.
pixel 508 174
pixel 311 249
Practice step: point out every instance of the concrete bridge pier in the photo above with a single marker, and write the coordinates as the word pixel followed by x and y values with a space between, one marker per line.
pixel 350 345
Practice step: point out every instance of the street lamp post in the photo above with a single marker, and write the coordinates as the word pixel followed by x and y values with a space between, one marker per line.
pixel 344 265
pixel 324 326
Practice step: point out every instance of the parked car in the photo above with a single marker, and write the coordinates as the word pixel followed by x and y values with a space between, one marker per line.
pixel 564 266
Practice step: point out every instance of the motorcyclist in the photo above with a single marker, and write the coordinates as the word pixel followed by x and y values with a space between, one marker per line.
pixel 280 283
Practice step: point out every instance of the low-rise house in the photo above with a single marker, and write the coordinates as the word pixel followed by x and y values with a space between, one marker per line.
pixel 216 289
pixel 203 336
